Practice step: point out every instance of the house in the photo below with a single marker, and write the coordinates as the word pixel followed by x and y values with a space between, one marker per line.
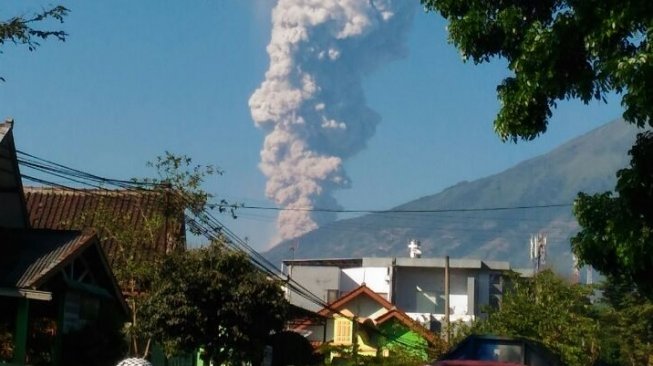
pixel 53 283
pixel 142 210
pixel 414 285
pixel 367 324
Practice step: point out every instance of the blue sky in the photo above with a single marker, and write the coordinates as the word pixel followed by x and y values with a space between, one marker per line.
pixel 137 78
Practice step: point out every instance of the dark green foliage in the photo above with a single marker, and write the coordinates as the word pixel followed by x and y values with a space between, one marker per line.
pixel 20 30
pixel 557 50
pixel 175 192
pixel 290 348
pixel 569 49
pixel 214 299
pixel 6 342
pixel 617 234
pixel 182 181
pixel 626 317
pixel 100 343
pixel 548 310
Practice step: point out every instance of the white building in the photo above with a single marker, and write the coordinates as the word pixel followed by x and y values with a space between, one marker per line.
pixel 415 285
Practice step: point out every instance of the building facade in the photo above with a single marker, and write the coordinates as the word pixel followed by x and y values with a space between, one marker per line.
pixel 367 324
pixel 414 285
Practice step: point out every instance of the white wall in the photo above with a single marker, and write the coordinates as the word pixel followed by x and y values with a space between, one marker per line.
pixel 316 279
pixel 375 278
pixel 421 290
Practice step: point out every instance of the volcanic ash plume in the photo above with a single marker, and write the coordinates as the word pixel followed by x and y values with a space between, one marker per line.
pixel 311 103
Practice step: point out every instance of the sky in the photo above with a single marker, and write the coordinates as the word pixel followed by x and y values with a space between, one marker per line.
pixel 137 78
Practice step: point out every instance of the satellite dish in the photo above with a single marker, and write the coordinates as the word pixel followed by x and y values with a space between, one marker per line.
pixel 134 362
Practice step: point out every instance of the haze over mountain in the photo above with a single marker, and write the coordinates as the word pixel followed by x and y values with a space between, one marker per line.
pixel 587 163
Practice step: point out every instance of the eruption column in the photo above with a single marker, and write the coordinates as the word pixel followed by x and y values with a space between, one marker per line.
pixel 311 103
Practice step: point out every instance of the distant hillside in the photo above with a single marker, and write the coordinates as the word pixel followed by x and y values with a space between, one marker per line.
pixel 587 163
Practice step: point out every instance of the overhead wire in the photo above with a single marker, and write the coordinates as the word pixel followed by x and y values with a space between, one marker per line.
pixel 204 223
pixel 207 225
pixel 390 211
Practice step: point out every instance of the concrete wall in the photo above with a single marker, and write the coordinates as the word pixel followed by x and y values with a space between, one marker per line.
pixel 364 307
pixel 316 279
pixel 416 289
pixel 421 290
pixel 376 278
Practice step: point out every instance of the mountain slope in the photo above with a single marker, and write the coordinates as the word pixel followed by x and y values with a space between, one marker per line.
pixel 587 163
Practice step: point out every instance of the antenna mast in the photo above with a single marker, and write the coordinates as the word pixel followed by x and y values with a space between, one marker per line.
pixel 538 251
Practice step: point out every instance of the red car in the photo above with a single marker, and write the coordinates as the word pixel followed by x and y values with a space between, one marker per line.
pixel 476 363
pixel 477 350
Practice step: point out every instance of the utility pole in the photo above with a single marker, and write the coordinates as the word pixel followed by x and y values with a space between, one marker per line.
pixel 447 321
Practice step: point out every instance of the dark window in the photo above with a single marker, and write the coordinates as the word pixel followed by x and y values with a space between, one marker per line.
pixel 495 301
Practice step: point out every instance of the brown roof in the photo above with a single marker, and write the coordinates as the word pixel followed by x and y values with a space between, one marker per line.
pixel 392 313
pixel 361 290
pixel 29 258
pixel 66 209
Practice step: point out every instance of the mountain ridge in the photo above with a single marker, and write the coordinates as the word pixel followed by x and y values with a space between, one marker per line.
pixel 586 163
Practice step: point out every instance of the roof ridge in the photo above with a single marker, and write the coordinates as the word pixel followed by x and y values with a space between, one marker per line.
pixel 87 191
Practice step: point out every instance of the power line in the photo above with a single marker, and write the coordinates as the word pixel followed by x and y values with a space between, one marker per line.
pixel 203 222
pixel 390 211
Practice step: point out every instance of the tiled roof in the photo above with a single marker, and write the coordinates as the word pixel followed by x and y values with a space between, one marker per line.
pixel 28 257
pixel 392 312
pixel 64 209
pixel 361 290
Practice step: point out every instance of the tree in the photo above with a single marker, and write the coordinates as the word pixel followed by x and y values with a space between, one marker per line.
pixel 547 309
pixel 151 216
pixel 626 318
pixel 20 30
pixel 568 49
pixel 214 299
pixel 617 234
pixel 557 50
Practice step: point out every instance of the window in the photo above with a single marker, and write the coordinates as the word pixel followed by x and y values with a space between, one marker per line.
pixel 332 295
pixel 342 331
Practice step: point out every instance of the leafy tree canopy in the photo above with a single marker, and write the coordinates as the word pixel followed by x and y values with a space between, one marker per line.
pixel 626 318
pixel 549 310
pixel 557 50
pixel 150 225
pixel 214 299
pixel 617 234
pixel 570 49
pixel 23 31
